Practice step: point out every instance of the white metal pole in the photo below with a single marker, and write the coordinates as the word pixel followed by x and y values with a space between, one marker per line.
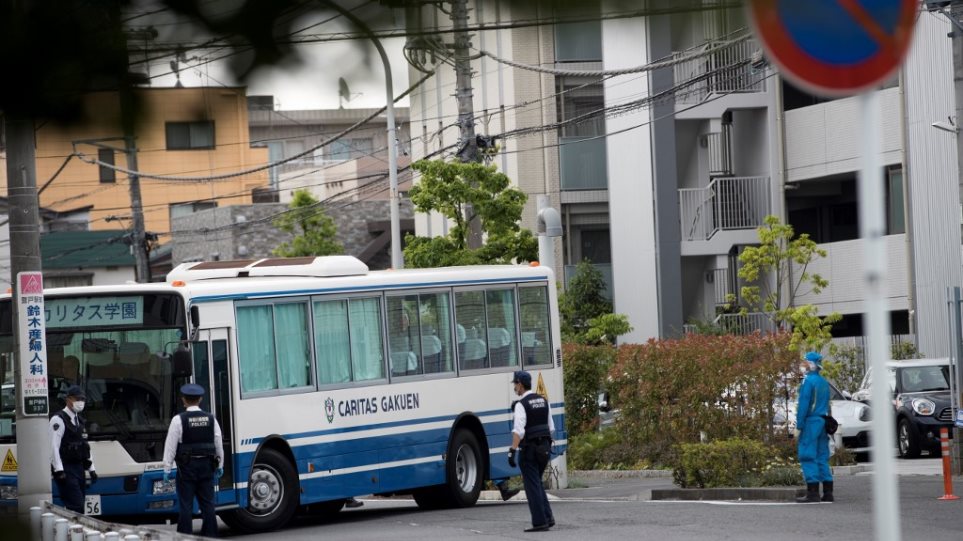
pixel 396 260
pixel 47 526
pixel 872 227
pixel 60 529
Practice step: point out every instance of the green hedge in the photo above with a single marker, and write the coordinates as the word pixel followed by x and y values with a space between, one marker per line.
pixel 733 463
pixel 697 388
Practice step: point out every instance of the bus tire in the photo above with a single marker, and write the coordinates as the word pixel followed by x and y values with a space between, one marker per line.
pixel 429 498
pixel 464 470
pixel 273 495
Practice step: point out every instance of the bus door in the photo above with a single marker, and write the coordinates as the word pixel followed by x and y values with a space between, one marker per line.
pixel 211 370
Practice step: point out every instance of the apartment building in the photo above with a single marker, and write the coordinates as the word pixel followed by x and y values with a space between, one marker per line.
pixel 354 166
pixel 667 187
pixel 181 132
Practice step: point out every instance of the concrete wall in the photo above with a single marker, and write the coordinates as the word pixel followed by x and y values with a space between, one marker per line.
pixel 246 231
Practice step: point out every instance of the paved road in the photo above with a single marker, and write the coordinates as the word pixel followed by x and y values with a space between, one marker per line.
pixel 618 509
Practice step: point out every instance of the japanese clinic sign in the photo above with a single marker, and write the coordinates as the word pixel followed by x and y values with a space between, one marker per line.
pixel 33 344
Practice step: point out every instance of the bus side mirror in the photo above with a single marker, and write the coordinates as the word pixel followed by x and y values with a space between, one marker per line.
pixel 182 363
pixel 195 322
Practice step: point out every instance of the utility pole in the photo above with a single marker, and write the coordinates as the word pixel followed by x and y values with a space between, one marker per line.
pixel 33 437
pixel 138 241
pixel 467 144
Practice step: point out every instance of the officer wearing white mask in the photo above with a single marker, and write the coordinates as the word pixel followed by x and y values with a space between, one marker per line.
pixel 70 452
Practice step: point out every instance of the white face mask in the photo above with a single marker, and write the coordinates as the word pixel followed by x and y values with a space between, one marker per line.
pixel 804 369
pixel 78 406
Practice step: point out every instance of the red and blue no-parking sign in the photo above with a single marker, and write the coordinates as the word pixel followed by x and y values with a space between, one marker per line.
pixel 835 47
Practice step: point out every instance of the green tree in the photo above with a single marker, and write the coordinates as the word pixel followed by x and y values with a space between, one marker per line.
pixel 314 231
pixel 586 313
pixel 777 273
pixel 451 189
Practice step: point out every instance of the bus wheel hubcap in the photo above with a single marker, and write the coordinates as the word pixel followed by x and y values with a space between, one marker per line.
pixel 466 468
pixel 266 489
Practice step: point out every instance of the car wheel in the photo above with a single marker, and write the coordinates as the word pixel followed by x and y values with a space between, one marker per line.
pixel 909 445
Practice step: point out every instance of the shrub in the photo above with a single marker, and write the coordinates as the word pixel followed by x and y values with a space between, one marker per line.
pixel 584 372
pixel 734 462
pixel 605 450
pixel 698 387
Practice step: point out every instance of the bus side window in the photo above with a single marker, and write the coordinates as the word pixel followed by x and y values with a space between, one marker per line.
pixel 535 324
pixel 470 315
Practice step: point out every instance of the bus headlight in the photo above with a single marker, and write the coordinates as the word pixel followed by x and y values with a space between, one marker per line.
pixel 161 488
pixel 8 492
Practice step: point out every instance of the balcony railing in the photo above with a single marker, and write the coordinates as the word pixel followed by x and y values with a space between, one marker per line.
pixel 727 68
pixel 726 203
pixel 723 285
pixel 746 324
pixel 583 163
pixel 720 155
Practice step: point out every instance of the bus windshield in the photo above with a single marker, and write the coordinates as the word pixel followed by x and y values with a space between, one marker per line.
pixel 125 370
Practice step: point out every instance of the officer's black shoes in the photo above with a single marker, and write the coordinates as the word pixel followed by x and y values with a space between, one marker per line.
pixel 509 493
pixel 551 523
pixel 828 491
pixel 352 503
pixel 542 528
pixel 812 494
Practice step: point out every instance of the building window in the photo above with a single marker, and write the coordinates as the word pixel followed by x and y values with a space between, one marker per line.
pixel 582 153
pixel 895 211
pixel 349 149
pixel 107 175
pixel 179 210
pixel 190 135
pixel 578 42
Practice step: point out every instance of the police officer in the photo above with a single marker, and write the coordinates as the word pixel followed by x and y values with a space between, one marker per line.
pixel 70 452
pixel 194 443
pixel 532 433
pixel 811 430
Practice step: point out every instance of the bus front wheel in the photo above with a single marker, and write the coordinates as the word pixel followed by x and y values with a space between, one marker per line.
pixel 465 470
pixel 272 495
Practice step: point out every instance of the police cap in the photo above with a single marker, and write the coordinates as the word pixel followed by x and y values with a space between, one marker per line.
pixel 192 390
pixel 522 377
pixel 74 391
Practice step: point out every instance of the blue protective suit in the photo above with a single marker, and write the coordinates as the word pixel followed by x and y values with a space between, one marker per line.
pixel 813 441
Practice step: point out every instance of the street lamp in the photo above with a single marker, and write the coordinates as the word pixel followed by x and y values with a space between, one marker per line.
pixel 396 259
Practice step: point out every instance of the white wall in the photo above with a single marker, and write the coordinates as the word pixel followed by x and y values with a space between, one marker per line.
pixel 824 139
pixel 631 199
pixel 841 267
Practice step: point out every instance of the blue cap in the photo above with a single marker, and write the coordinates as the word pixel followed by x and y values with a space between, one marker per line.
pixel 814 357
pixel 76 392
pixel 522 377
pixel 192 389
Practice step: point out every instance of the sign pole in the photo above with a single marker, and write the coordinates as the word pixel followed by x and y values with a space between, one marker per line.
pixel 33 434
pixel 872 227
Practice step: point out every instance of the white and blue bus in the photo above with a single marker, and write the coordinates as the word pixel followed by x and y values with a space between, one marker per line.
pixel 329 381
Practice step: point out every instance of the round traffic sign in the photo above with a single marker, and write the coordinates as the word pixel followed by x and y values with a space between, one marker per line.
pixel 835 47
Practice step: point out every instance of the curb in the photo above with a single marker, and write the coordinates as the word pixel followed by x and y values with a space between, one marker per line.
pixel 779 494
pixel 620 474
pixel 852 470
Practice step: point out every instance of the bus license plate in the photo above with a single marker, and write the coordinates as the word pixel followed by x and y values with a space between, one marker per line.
pixel 92 505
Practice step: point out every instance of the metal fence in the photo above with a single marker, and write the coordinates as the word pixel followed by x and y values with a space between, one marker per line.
pixel 53 523
pixel 726 203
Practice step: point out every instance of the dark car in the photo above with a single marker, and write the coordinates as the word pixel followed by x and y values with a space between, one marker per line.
pixel 921 395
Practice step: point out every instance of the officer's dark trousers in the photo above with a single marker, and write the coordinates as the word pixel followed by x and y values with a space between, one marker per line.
pixel 196 479
pixel 72 488
pixel 532 461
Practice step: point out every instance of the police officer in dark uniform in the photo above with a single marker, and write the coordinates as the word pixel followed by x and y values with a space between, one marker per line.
pixel 70 452
pixel 195 444
pixel 532 433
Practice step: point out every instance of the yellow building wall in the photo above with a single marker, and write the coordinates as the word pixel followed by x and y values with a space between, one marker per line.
pixel 79 185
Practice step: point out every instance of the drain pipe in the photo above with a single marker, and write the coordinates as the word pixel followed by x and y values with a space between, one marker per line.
pixel 548 225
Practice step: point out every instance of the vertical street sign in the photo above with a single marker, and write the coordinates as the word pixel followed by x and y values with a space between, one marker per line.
pixel 33 345
pixel 835 47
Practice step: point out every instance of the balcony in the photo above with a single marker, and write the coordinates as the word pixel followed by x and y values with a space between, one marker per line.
pixel 725 68
pixel 582 163
pixel 726 205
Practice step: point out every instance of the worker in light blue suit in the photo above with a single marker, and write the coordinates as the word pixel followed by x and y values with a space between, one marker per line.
pixel 811 430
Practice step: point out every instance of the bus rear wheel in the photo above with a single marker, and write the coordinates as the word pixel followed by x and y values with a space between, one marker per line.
pixel 272 495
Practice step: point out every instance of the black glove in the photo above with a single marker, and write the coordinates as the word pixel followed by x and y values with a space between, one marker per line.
pixel 60 475
pixel 93 477
pixel 511 457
